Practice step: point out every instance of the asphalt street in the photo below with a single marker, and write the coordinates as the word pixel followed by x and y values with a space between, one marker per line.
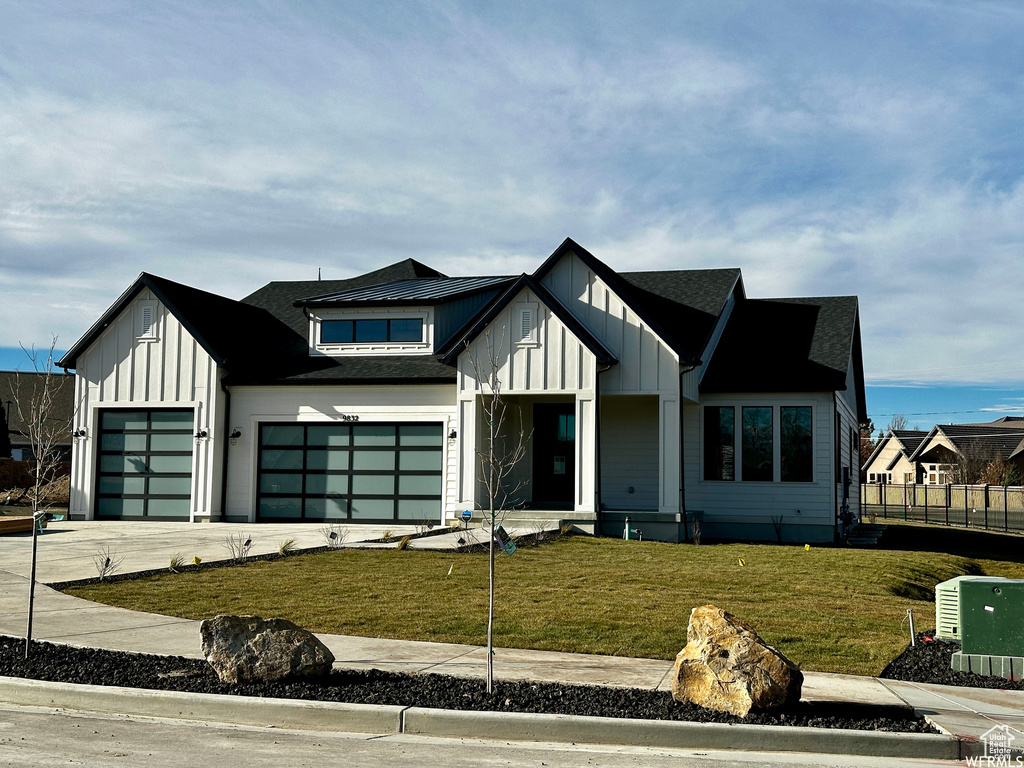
pixel 33 737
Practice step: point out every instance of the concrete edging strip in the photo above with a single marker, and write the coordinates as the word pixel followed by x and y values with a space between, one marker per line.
pixel 509 726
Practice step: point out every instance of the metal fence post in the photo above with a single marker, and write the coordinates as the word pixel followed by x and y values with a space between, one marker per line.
pixel 1006 509
pixel 949 500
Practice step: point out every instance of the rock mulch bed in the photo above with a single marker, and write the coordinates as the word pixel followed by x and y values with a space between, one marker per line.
pixel 97 667
pixel 929 662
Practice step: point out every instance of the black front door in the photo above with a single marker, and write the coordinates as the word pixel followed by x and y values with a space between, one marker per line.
pixel 554 453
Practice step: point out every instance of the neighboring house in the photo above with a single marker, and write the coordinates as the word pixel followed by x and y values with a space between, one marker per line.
pixel 662 396
pixel 890 461
pixel 948 444
pixel 19 387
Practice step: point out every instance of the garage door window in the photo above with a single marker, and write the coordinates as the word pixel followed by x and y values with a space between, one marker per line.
pixel 145 464
pixel 355 472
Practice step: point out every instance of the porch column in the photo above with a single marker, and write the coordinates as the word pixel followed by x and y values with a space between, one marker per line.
pixel 668 453
pixel 586 452
pixel 466 441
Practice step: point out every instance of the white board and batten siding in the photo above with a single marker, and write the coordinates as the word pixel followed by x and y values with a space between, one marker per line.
pixel 251 406
pixel 730 506
pixel 646 364
pixel 549 361
pixel 145 358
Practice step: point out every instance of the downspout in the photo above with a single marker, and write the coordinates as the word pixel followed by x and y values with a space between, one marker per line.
pixel 682 462
pixel 224 451
pixel 836 468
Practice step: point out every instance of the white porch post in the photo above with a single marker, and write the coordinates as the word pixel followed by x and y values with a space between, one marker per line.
pixel 668 453
pixel 467 451
pixel 586 452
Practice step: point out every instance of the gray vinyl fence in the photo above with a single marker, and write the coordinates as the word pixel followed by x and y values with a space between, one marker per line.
pixel 991 507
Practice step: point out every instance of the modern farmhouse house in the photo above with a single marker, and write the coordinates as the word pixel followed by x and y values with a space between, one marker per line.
pixel 665 397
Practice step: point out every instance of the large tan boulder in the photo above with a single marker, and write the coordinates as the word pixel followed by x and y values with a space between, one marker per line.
pixel 246 649
pixel 725 666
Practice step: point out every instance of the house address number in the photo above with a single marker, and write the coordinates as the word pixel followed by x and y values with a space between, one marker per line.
pixel 348 417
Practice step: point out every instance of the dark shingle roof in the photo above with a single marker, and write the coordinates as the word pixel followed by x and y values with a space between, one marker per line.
pixel 680 306
pixel 686 303
pixel 213 320
pixel 292 364
pixel 23 387
pixel 910 439
pixel 785 345
pixel 457 343
pixel 1001 441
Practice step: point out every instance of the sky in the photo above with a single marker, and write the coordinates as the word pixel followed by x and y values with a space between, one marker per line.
pixel 825 148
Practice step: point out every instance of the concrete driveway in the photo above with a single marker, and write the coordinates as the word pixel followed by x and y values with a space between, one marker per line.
pixel 66 549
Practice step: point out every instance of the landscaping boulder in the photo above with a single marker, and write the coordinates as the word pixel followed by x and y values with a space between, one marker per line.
pixel 725 666
pixel 246 649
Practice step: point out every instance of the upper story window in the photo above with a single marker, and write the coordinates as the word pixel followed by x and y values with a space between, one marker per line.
pixel 371 331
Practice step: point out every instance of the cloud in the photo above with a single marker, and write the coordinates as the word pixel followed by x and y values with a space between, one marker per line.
pixel 870 151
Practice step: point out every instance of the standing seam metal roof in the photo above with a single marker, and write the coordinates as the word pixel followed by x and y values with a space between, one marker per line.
pixel 423 289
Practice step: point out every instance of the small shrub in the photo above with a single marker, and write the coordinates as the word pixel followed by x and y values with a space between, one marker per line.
pixel 106 562
pixel 695 531
pixel 387 536
pixel 177 563
pixel 287 548
pixel 404 542
pixel 334 535
pixel 238 546
pixel 565 530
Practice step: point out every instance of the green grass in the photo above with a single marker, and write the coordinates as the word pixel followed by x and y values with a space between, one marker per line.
pixel 828 609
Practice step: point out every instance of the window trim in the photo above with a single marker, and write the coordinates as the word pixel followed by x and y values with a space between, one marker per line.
pixel 356 320
pixel 776 411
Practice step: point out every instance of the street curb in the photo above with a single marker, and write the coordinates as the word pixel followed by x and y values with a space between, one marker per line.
pixel 509 726
pixel 211 707
pixel 523 726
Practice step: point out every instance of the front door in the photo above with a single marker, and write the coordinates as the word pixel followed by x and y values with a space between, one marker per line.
pixel 554 454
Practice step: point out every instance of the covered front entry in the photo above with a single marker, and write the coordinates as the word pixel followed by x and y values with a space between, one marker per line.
pixel 554 454
pixel 359 473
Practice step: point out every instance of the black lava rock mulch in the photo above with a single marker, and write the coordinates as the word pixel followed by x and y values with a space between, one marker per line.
pixel 97 667
pixel 929 662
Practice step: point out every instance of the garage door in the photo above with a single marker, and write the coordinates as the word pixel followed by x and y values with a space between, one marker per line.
pixel 145 464
pixel 372 473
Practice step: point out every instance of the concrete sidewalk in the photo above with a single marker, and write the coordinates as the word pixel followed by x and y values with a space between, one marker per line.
pixel 66 549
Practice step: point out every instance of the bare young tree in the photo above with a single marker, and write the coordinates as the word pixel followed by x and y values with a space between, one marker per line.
pixel 898 421
pixel 35 401
pixel 967 466
pixel 505 446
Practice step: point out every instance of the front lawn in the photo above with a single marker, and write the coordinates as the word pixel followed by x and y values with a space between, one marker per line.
pixel 828 609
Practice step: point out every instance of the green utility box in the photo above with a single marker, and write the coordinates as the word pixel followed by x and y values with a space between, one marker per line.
pixel 992 617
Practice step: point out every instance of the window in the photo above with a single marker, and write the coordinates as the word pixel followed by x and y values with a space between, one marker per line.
pixel 871 477
pixel 719 443
pixel 567 427
pixel 758 447
pixel 796 443
pixel 371 331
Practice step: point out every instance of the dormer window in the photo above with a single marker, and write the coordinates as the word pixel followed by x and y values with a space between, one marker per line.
pixel 370 331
